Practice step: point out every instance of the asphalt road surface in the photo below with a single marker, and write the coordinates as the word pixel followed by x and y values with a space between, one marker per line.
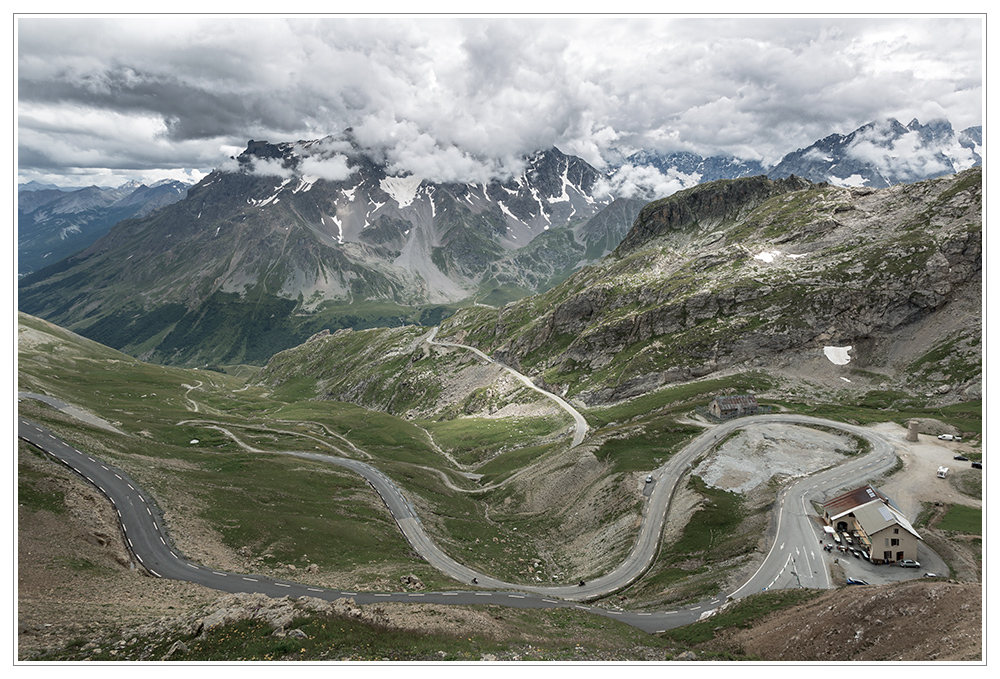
pixel 794 559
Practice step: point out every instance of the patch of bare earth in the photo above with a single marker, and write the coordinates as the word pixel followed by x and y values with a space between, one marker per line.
pixel 912 621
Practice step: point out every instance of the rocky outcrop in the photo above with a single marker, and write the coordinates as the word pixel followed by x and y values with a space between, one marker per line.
pixel 703 207
pixel 278 614
pixel 742 273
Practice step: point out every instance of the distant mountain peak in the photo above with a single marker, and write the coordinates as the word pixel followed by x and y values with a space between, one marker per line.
pixel 882 153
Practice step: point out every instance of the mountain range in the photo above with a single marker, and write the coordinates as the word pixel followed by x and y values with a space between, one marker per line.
pixel 829 292
pixel 54 222
pixel 293 238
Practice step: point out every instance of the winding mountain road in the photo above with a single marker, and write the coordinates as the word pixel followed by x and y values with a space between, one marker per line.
pixel 580 427
pixel 793 560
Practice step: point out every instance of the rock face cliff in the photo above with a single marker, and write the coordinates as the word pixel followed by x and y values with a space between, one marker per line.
pixel 753 273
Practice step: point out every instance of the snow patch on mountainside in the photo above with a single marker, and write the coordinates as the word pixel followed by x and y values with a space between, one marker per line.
pixel 853 181
pixel 838 355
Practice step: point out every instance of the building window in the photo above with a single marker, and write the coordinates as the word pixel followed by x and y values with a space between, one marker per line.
pixel 895 531
pixel 895 542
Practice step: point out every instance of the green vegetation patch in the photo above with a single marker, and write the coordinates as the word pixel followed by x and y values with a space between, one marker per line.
pixel 741 614
pixel 36 492
pixel 646 447
pixel 712 526
pixel 678 398
pixel 472 440
pixel 889 406
pixel 962 519
pixel 288 510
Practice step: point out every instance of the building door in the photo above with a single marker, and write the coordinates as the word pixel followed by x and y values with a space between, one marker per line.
pixel 899 556
pixel 887 556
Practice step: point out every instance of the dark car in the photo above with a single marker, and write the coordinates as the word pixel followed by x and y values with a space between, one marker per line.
pixel 977 465
pixel 855 581
pixel 961 458
pixel 909 563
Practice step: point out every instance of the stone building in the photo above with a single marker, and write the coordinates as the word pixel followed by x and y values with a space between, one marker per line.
pixel 726 407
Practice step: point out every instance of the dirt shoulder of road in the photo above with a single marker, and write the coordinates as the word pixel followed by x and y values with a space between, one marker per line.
pixel 913 621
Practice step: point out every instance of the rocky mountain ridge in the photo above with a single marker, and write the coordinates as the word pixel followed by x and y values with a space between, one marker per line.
pixel 291 238
pixel 748 275
pixel 54 222
pixel 743 274
pixel 287 230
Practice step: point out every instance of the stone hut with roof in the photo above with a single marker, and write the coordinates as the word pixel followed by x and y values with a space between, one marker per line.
pixel 726 407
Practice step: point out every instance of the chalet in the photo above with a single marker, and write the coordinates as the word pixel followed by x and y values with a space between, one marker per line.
pixel 875 522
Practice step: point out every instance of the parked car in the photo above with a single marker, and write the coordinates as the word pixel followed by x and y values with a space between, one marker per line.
pixel 962 458
pixel 977 465
pixel 909 563
pixel 649 479
pixel 855 581
pixel 847 539
pixel 931 575
pixel 946 437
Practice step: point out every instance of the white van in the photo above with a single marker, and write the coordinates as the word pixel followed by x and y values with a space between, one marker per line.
pixel 942 472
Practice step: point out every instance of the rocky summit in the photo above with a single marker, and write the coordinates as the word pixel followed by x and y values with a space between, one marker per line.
pixel 272 246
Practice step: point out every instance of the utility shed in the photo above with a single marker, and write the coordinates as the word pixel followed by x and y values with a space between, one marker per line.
pixel 875 521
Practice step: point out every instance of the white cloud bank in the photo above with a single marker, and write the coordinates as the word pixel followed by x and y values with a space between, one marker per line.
pixel 463 99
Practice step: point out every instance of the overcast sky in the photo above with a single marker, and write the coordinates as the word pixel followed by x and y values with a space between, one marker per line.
pixel 101 101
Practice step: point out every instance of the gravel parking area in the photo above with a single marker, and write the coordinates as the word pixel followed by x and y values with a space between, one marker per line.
pixel 760 452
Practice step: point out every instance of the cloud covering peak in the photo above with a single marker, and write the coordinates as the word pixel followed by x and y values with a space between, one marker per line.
pixel 465 99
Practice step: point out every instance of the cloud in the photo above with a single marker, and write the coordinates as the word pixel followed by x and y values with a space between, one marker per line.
pixel 904 159
pixel 332 169
pixel 648 183
pixel 269 167
pixel 461 98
